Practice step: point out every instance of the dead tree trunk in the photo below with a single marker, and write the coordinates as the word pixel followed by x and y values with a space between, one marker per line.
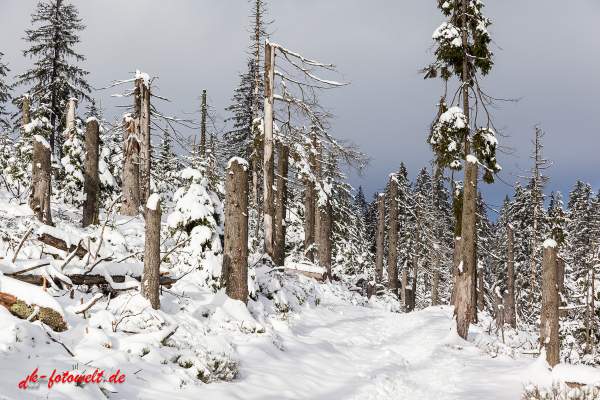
pixel 455 264
pixel 480 292
pixel 70 116
pixel 152 254
pixel 41 188
pixel 499 308
pixel 380 233
pixel 404 284
pixel 561 287
pixel 510 313
pixel 435 282
pixel 91 184
pixel 145 155
pixel 26 118
pixel 269 163
pixel 309 206
pixel 549 313
pixel 318 176
pixel 131 172
pixel 325 244
pixel 203 125
pixel 235 252
pixel 280 212
pixel 416 257
pixel 393 237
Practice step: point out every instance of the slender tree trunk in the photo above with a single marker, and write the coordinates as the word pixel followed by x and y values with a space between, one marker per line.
pixel 131 173
pixel 309 206
pixel 152 256
pixel 435 282
pixel 269 163
pixel 70 116
pixel 91 184
pixel 561 287
pixel 235 252
pixel 475 291
pixel 393 237
pixel 480 292
pixel 404 285
pixel 455 264
pixel 380 237
pixel 318 183
pixel 509 305
pixel 26 118
pixel 280 212
pixel 146 162
pixel 41 187
pixel 203 125
pixel 325 248
pixel 549 313
pixel 416 256
pixel 499 308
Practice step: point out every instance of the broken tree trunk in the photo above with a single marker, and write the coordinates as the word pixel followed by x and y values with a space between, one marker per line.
pixel 39 196
pixel 510 315
pixel 91 184
pixel 87 279
pixel 19 308
pixel 318 176
pixel 550 301
pixel 499 308
pixel 146 148
pixel 309 206
pixel 380 233
pixel 269 163
pixel 203 125
pixel 152 252
pixel 26 118
pixel 235 252
pixel 280 211
pixel 393 237
pixel 455 263
pixel 61 244
pixel 70 116
pixel 131 172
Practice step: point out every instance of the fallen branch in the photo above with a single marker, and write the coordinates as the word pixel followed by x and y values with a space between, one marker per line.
pixel 21 244
pixel 30 269
pixel 84 307
pixel 62 344
pixel 104 225
pixel 87 279
pixel 61 245
pixel 73 254
pixel 96 263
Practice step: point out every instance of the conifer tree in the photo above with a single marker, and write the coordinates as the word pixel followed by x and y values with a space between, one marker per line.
pixel 4 95
pixel 53 78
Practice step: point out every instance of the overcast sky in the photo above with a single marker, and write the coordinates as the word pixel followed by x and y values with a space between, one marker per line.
pixel 549 56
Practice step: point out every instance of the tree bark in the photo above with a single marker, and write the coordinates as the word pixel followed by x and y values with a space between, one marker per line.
pixel 152 256
pixel 268 164
pixel 509 305
pixel 416 256
pixel 380 236
pixel 435 282
pixel 480 292
pixel 26 118
pixel 561 287
pixel 325 245
pixel 91 184
pixel 131 172
pixel 89 280
pixel 47 315
pixel 280 212
pixel 145 156
pixel 404 284
pixel 309 206
pixel 499 308
pixel 203 125
pixel 41 188
pixel 455 264
pixel 393 237
pixel 235 252
pixel 318 173
pixel 465 281
pixel 70 116
pixel 550 301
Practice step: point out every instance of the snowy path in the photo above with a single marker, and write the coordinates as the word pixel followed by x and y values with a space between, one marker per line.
pixel 347 352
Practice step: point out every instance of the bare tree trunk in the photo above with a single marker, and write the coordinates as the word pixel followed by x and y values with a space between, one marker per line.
pixel 70 116
pixel 393 237
pixel 549 313
pixel 131 173
pixel 41 188
pixel 480 292
pixel 91 184
pixel 26 118
pixel 499 308
pixel 203 125
pixel 280 212
pixel 475 278
pixel 325 248
pixel 435 282
pixel 318 183
pixel 561 287
pixel 235 252
pixel 509 305
pixel 152 256
pixel 268 164
pixel 416 256
pixel 404 284
pixel 309 206
pixel 146 156
pixel 455 264
pixel 380 233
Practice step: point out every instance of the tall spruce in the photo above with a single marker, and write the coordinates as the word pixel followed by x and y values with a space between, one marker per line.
pixel 53 79
pixel 4 95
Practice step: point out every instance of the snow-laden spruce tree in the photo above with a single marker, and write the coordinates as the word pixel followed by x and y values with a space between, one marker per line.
pixel 73 161
pixel 461 49
pixel 166 167
pixel 53 79
pixel 4 95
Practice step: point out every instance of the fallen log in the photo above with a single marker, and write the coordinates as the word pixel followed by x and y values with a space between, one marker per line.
pixel 88 279
pixel 320 276
pixel 62 245
pixel 19 308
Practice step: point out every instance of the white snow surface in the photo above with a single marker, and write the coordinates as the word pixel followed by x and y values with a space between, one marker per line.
pixel 240 161
pixel 153 201
pixel 43 141
pixel 29 294
pixel 472 159
pixel 549 243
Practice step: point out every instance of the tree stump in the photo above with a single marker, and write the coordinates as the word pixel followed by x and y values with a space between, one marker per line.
pixel 550 301
pixel 150 275
pixel 91 184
